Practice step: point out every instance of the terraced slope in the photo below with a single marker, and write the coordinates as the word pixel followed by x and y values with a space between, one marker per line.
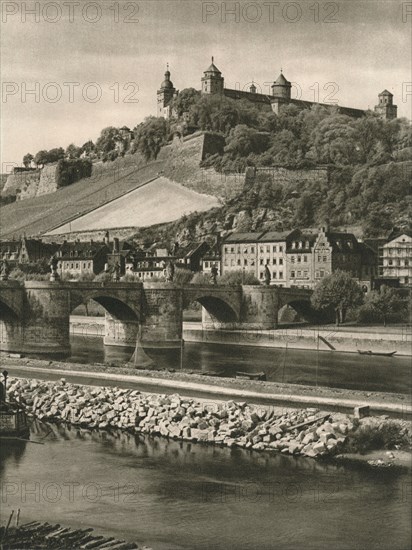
pixel 159 201
pixel 40 214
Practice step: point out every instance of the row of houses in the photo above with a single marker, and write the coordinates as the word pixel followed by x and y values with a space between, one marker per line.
pixel 301 258
pixel 298 258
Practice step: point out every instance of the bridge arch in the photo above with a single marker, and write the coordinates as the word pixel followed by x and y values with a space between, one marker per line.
pixel 302 308
pixel 221 306
pixel 115 306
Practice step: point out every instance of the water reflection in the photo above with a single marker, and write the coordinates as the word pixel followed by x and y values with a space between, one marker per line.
pixel 172 494
pixel 333 369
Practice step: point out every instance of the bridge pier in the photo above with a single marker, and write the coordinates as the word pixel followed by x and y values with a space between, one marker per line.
pixel 163 316
pixel 260 307
pixel 45 325
pixel 120 333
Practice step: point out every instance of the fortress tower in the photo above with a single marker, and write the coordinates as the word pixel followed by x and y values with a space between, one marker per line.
pixel 212 80
pixel 386 109
pixel 165 95
pixel 281 88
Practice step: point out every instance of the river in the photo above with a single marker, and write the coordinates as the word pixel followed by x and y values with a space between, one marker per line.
pixel 326 368
pixel 176 495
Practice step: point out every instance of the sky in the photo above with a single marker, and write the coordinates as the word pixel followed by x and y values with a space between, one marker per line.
pixel 97 64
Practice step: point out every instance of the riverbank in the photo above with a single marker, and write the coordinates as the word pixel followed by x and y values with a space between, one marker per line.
pixel 195 384
pixel 309 432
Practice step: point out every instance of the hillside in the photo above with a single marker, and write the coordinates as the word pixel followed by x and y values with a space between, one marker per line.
pixel 158 201
pixel 37 215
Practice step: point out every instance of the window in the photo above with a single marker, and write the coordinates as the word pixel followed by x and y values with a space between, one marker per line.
pixel 261 249
pixel 390 262
pixel 268 249
pixel 292 274
pixel 280 248
pixel 238 262
pixel 232 249
pixel 292 259
pixel 261 261
pixel 274 261
pixel 206 264
pixel 299 274
pixel 245 261
pixel 305 274
pixel 300 244
pixel 307 245
pixel 71 266
pixel 280 261
pixel 280 274
pixel 274 248
pixel 406 263
pixel 261 275
pixel 225 262
pixel 325 259
pixel 293 245
pixel 84 265
pixel 274 274
pixel 319 258
pixel 322 272
pixel 305 258
pixel 252 262
pixel 252 250
pixel 238 250
pixel 299 259
pixel 226 249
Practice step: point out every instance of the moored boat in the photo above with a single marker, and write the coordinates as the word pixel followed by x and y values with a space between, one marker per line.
pixel 251 375
pixel 13 418
pixel 381 353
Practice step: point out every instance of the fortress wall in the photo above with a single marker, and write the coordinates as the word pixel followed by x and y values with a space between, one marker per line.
pixel 20 181
pixel 184 156
pixel 48 183
pixel 122 233
pixel 284 176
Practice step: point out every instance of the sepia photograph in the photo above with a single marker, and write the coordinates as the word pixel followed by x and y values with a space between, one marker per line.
pixel 206 275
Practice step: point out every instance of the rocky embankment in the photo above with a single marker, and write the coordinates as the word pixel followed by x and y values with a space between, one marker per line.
pixel 304 432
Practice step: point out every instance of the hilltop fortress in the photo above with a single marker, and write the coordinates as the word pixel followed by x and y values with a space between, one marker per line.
pixel 212 82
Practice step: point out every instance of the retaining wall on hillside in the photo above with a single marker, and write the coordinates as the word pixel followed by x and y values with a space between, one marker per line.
pixel 20 181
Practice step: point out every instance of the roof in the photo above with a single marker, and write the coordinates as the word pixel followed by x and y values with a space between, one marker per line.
pixel 243 237
pixel 275 236
pixel 343 242
pixel 281 81
pixel 213 69
pixel 189 250
pixel 386 92
pixel 83 250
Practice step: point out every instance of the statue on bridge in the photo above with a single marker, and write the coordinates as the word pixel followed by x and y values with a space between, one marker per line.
pixel 267 275
pixel 170 272
pixel 4 270
pixel 213 274
pixel 54 262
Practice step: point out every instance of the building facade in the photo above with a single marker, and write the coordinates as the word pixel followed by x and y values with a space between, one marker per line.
pixel 397 258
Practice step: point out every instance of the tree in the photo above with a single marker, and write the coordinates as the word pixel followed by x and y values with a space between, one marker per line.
pixel 73 152
pixel 185 99
pixel 304 215
pixel 56 154
pixel 150 136
pixel 238 277
pixel 385 302
pixel 107 140
pixel 41 158
pixel 27 159
pixel 338 291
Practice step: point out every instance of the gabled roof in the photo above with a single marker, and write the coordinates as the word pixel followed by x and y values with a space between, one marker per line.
pixel 276 236
pixel 83 250
pixel 386 92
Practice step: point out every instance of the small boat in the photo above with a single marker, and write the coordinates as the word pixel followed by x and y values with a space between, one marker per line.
pixel 381 353
pixel 13 418
pixel 211 373
pixel 251 375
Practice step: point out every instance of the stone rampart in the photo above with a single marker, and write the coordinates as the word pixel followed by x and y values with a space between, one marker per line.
pixel 21 182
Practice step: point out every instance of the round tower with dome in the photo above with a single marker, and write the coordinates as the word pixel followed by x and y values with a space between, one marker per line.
pixel 165 95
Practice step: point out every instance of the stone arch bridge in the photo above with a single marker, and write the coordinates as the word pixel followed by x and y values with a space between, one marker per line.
pixel 35 315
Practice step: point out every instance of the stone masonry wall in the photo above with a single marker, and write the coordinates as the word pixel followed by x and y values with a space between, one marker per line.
pixel 23 181
pixel 48 183
pixel 184 156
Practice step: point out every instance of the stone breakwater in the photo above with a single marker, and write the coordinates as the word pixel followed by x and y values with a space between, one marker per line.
pixel 304 432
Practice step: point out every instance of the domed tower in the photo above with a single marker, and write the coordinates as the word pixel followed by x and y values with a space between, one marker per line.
pixel 212 80
pixel 281 88
pixel 385 108
pixel 165 95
